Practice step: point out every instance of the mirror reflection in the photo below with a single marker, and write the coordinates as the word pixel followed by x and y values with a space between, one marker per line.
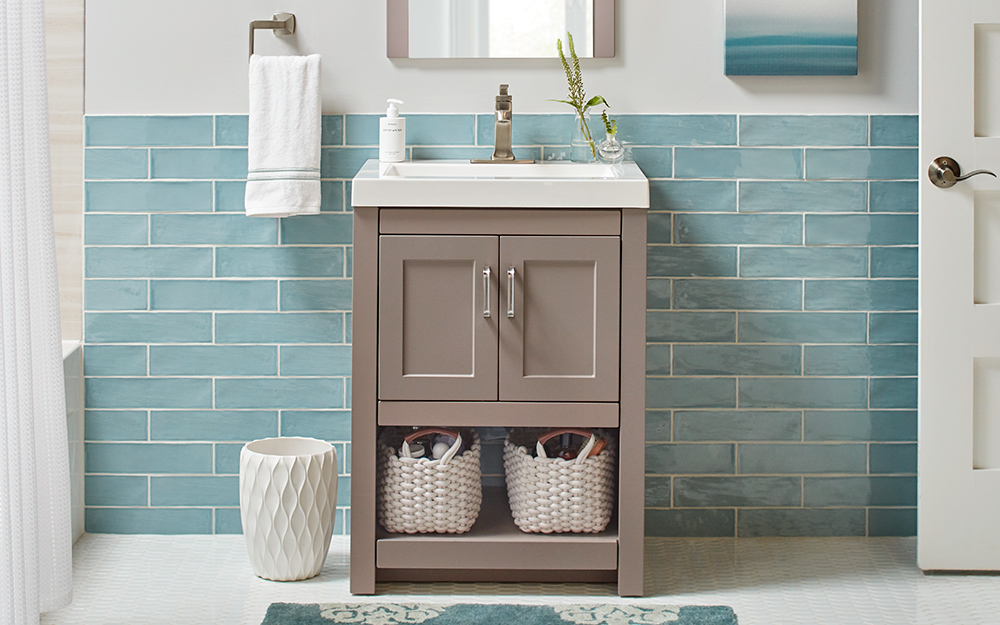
pixel 498 28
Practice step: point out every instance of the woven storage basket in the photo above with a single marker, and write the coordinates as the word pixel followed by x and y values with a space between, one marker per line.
pixel 422 495
pixel 556 495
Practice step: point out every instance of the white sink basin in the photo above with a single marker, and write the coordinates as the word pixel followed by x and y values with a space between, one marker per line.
pixel 445 183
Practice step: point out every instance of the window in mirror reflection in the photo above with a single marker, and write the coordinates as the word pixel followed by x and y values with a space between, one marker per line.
pixel 498 28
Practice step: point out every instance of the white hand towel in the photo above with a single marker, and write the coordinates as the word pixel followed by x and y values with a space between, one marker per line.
pixel 284 139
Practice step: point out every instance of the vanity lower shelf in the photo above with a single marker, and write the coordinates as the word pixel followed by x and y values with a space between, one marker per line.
pixel 495 543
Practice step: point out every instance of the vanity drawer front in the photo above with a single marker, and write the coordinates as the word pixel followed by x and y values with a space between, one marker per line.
pixel 499 413
pixel 566 222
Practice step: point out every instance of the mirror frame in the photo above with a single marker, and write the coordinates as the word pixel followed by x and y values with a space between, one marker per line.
pixel 397 41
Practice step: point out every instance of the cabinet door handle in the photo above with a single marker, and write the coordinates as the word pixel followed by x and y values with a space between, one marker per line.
pixel 510 292
pixel 486 292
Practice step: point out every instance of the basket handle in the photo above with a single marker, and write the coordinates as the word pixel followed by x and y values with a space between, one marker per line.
pixel 448 455
pixel 592 448
pixel 418 433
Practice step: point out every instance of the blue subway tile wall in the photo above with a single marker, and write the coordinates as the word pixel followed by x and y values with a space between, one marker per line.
pixel 206 329
pixel 781 323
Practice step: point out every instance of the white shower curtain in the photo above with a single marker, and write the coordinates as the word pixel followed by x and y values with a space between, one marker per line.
pixel 35 541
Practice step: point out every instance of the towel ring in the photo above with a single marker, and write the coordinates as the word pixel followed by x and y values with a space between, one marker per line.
pixel 282 24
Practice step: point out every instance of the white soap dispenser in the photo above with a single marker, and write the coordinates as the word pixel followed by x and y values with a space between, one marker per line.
pixel 392 134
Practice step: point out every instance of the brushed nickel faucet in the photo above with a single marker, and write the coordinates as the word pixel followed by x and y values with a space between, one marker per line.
pixel 502 152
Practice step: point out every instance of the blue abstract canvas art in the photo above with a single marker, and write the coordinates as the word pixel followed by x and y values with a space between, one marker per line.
pixel 791 37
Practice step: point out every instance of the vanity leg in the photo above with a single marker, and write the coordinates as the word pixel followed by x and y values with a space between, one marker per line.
pixel 632 430
pixel 364 417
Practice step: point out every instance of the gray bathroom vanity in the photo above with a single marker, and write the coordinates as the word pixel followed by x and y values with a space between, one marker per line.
pixel 499 296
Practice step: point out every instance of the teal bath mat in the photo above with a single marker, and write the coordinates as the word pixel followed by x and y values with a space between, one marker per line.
pixel 494 614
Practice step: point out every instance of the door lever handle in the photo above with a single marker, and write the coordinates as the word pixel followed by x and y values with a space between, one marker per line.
pixel 945 172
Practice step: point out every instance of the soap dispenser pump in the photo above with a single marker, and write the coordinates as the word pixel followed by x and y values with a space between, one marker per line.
pixel 392 134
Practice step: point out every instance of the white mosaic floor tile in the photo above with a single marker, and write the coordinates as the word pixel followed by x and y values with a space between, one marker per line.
pixel 207 580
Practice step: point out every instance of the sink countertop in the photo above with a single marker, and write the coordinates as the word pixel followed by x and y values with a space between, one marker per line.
pixel 454 183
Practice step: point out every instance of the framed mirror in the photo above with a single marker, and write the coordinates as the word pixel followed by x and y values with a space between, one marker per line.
pixel 498 29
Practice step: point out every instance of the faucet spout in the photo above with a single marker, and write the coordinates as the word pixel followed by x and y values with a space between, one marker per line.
pixel 503 128
pixel 503 105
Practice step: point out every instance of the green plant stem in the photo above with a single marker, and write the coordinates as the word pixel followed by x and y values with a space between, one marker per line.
pixel 587 135
pixel 577 95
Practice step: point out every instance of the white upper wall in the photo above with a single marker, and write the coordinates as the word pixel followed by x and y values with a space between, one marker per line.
pixel 190 56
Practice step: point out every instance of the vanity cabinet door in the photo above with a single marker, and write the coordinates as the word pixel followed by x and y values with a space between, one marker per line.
pixel 560 336
pixel 437 319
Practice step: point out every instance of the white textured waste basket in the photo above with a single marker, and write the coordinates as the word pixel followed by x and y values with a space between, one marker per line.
pixel 288 496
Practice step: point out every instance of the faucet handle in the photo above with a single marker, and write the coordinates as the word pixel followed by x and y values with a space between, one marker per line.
pixel 503 89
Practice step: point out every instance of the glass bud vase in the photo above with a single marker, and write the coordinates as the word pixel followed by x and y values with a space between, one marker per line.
pixel 611 151
pixel 581 143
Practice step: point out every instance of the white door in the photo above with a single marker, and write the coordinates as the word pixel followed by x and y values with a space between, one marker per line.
pixel 959 398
